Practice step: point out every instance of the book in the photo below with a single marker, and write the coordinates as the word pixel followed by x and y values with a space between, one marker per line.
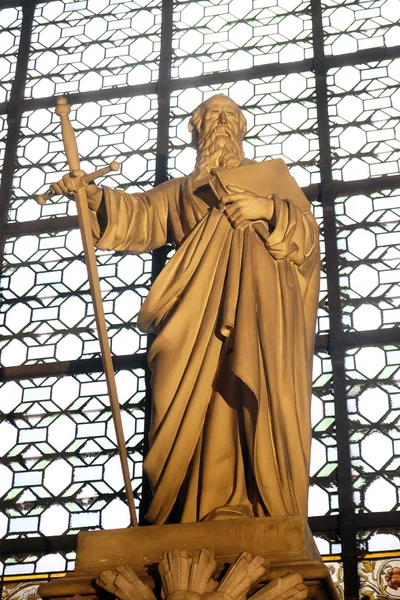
pixel 261 178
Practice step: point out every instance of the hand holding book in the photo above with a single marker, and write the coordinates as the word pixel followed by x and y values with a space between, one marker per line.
pixel 243 207
pixel 263 180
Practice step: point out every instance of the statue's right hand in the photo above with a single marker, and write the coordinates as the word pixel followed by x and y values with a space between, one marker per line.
pixel 74 181
pixel 69 184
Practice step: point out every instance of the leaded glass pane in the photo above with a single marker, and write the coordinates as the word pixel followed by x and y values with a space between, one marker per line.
pixel 93 45
pixel 369 246
pixel 10 27
pixel 328 544
pixel 211 36
pixel 322 325
pixel 364 108
pixel 38 564
pixel 3 135
pixel 351 25
pixel 379 540
pixel 335 569
pixel 122 129
pixel 379 578
pixel 15 590
pixel 373 375
pixel 60 469
pixel 281 120
pixel 47 313
pixel 323 498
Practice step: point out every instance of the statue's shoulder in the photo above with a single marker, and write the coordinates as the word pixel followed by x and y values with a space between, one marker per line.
pixel 171 185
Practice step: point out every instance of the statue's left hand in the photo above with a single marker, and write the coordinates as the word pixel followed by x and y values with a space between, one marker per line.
pixel 242 205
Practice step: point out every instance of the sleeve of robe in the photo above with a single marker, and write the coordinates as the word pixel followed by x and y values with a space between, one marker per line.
pixel 132 222
pixel 294 235
pixel 294 242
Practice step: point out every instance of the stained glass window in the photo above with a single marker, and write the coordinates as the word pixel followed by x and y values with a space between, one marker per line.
pixel 229 35
pixel 60 466
pixel 364 109
pixel 122 129
pixel 10 19
pixel 319 85
pixel 369 244
pixel 92 45
pixel 350 26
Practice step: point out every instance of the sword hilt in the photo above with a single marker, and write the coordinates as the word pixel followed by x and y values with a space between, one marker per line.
pixel 114 166
pixel 68 135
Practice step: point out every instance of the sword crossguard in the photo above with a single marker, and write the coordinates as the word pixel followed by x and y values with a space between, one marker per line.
pixel 86 178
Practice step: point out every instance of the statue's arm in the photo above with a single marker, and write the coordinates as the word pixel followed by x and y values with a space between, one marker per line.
pixel 294 234
pixel 130 222
pixel 121 221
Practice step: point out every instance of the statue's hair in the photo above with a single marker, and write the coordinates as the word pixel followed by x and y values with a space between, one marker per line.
pixel 198 114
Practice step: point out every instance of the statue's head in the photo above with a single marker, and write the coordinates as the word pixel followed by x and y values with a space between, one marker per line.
pixel 217 113
pixel 218 127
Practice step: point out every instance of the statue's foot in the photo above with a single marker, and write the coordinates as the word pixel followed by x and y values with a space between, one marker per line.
pixel 229 511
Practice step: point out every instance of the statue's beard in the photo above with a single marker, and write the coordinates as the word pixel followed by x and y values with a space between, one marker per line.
pixel 218 149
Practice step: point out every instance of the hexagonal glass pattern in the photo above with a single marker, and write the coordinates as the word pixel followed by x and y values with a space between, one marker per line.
pixel 369 258
pixel 364 109
pixel 93 45
pixel 373 402
pixel 60 470
pixel 10 27
pixel 54 320
pixel 350 26
pixel 211 36
pixel 122 129
pixel 281 121
pixel 323 498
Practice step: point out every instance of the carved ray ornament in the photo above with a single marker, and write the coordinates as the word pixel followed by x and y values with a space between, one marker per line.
pixel 186 577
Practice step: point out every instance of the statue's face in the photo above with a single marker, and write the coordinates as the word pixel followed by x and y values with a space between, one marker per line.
pixel 222 117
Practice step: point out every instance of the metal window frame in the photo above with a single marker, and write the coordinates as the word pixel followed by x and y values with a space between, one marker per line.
pixel 348 522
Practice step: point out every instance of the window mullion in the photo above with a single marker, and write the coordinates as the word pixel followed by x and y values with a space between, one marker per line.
pixel 347 529
pixel 14 113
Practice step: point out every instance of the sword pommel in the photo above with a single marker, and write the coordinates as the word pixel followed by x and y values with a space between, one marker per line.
pixel 62 107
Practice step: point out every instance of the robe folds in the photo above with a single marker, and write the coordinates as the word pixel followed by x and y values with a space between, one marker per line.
pixel 234 316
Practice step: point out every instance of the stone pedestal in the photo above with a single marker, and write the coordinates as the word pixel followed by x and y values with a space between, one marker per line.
pixel 285 544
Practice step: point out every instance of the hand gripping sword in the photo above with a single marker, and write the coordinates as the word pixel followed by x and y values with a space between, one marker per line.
pixel 71 150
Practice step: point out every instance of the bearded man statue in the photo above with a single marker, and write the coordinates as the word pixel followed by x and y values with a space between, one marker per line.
pixel 234 316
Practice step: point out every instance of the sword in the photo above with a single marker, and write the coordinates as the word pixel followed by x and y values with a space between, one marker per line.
pixel 71 151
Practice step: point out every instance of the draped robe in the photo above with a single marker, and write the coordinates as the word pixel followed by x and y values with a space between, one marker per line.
pixel 234 316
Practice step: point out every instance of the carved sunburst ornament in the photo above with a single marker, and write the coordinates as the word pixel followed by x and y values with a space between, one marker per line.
pixel 186 577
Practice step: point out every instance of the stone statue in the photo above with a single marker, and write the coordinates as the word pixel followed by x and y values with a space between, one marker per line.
pixel 234 317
